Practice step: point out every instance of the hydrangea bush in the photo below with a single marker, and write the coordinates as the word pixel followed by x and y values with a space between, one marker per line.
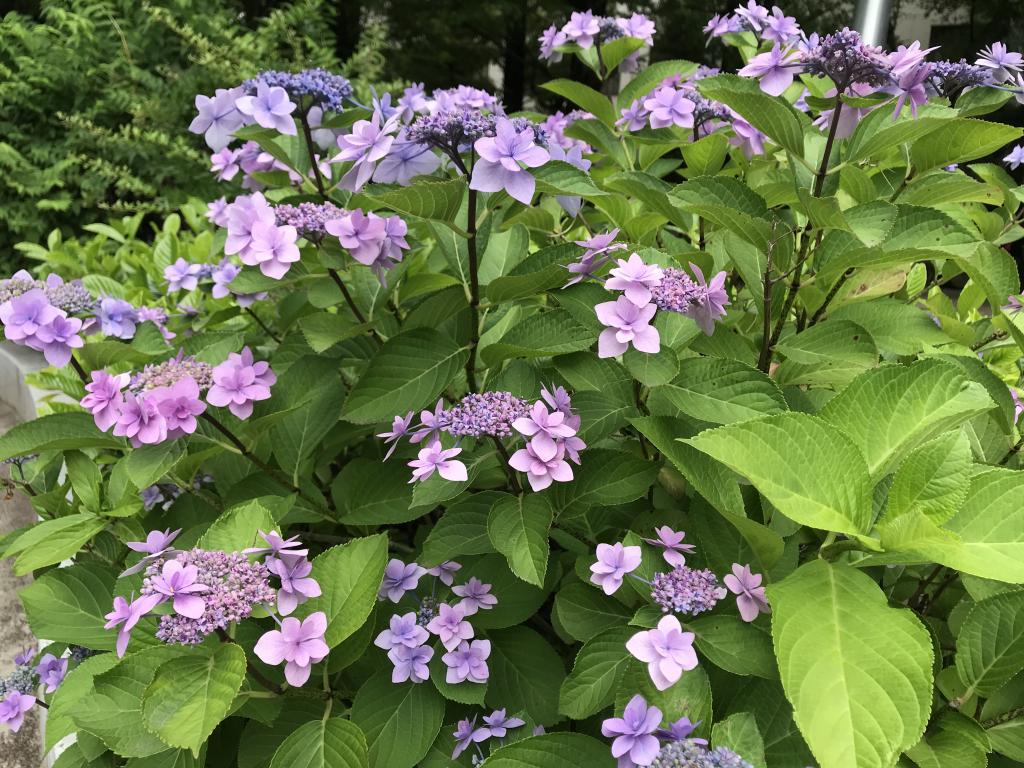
pixel 651 433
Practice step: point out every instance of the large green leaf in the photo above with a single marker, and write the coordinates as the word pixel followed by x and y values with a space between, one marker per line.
pixel 55 432
pixel 689 696
pixel 191 694
pixel 524 669
pixel 400 721
pixel 791 458
pixel 933 480
pixel 373 492
pixel 52 541
pixel 769 114
pixel 331 743
pixel 147 464
pixel 591 685
pixel 518 528
pixel 990 644
pixel 462 530
pixel 960 140
pixel 859 673
pixel 585 97
pixel 735 645
pixel 238 527
pixel 606 477
pixel 830 353
pixel 739 733
pixel 889 411
pixel 895 327
pixel 68 605
pixel 425 199
pixel 350 575
pixel 407 373
pixel 68 697
pixel 584 611
pixel 542 334
pixel 553 750
pixel 722 391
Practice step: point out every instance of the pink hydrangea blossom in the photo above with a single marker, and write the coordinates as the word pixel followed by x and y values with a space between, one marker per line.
pixel 614 561
pixel 300 644
pixel 626 324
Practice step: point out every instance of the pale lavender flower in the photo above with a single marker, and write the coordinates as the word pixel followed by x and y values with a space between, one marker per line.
pixel 239 382
pixel 750 595
pixel 1015 158
pixel 300 644
pixel 1018 406
pixel 117 318
pixel 559 400
pixel 671 544
pixel 242 215
pixel 686 590
pixel 399 429
pixel 780 28
pixel 549 40
pixel 368 144
pixel 634 117
pixel 847 60
pixel 431 424
pixel 156 543
pixel 412 102
pixel 24 657
pixel 597 254
pixel 272 248
pixel 720 25
pixel 57 338
pixel 626 324
pixel 402 632
pixel 406 160
pixel 13 709
pixel 711 300
pixel 544 430
pixel 638 26
pixel 218 117
pixel 907 58
pixel 182 276
pixel 224 164
pixel 128 615
pixel 450 625
pixel 468 662
pixel 614 561
pixel 51 671
pixel 502 160
pixel 1002 61
pixel 635 279
pixel 582 28
pixel 23 316
pixel 774 69
pixel 669 106
pixel 296 585
pixel 667 651
pixel 542 472
pixel 748 138
pixel 360 233
pixel 475 596
pixel 399 578
pixel 634 731
pixel 437 457
pixel 270 108
pixel 278 546
pixel 679 730
pixel 466 733
pixel 910 89
pixel 498 723
pixel 410 663
pixel 179 583
pixel 571 204
pixel 179 404
pixel 445 572
pixel 1014 304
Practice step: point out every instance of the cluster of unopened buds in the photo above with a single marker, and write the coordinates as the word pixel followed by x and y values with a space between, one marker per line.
pixel 551 435
pixel 32 680
pixel 405 639
pixel 163 402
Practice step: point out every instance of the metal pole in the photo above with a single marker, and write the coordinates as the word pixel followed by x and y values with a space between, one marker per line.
pixel 871 19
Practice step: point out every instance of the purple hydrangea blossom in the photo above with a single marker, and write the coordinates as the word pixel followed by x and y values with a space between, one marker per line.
pixel 671 544
pixel 182 276
pixel 272 248
pixel 399 428
pixel 634 117
pixel 140 421
pixel 128 615
pixel 445 572
pixel 24 657
pixel 239 382
pixel 117 318
pixel 51 671
pixel 23 316
pixel 179 404
pixel 368 144
pixel 711 300
pixel 475 596
pixel 156 543
pixel 270 108
pixel 13 709
pixel 468 662
pixel 750 595
pixel 626 324
pixel 224 164
pixel 721 25
pixel 1002 62
pixel 847 60
pixel 491 414
pixel 360 233
pixel 57 338
pixel 179 583
pixel 300 644
pixel 774 69
pixel 499 724
pixel 752 15
pixel 296 585
pixel 582 28
pixel 571 204
pixel 399 578
pixel 501 161
pixel 410 663
pixel 402 632
pixel 278 546
pixel 242 216
pixel 633 732
pixel 614 561
pixel 686 590
pixel 431 424
pixel 466 733
pixel 450 625
pixel 780 28
pixel 325 89
pixel 437 457
pixel 598 252
pixel 667 651
pixel 1016 157
pixel 544 429
pixel 406 160
pixel 549 40
pixel 218 117
pixel 635 279
pixel 412 102
pixel 668 106
pixel 542 472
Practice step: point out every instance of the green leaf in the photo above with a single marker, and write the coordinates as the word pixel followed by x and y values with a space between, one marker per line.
pixel 302 431
pixel 67 605
pixel 652 75
pixel 372 492
pixel 769 114
pixel 834 632
pixel 518 528
pixel 961 139
pixel 68 697
pixel 739 733
pixel 878 133
pixel 727 203
pixel 406 374
pixel 990 644
pixel 524 669
pixel 933 480
pixel 944 187
pixel 723 391
pixel 897 328
pixel 425 199
pixel 606 477
pixel 791 459
pixel 466 692
pixel 830 353
pixel 651 370
pixel 584 611
pixel 591 685
pixel 690 696
pixel 350 575
pixel 400 721
pixel 55 432
pixel 331 743
pixel 558 177
pixel 706 156
pixel 52 541
pixel 542 334
pixel 462 530
pixel 517 600
pixel 323 330
pixel 538 272
pixel 147 464
pixel 585 97
pixel 735 645
pixel 238 527
pixel 191 694
pixel 994 270
pixel 889 411
pixel 1008 738
pixel 552 750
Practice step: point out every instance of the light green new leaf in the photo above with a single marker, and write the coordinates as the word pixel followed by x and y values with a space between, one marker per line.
pixel 585 97
pixel 400 721
pixel 331 743
pixel 323 330
pixel 518 528
pixel 238 527
pixel 723 391
pixel 889 411
pixel 349 575
pixel 739 733
pixel 425 199
pixel 68 604
pixel 1008 738
pixel 791 458
pixel 558 177
pixel 68 697
pixel 858 672
pixel 994 270
pixel 591 686
pixel 960 140
pixel 191 694
pixel 55 432
pixel 990 644
pixel 830 353
pixel 553 750
pixel 406 374
pixel 147 464
pixel 542 334
pixel 933 480
pixel 896 327
pixel 52 541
